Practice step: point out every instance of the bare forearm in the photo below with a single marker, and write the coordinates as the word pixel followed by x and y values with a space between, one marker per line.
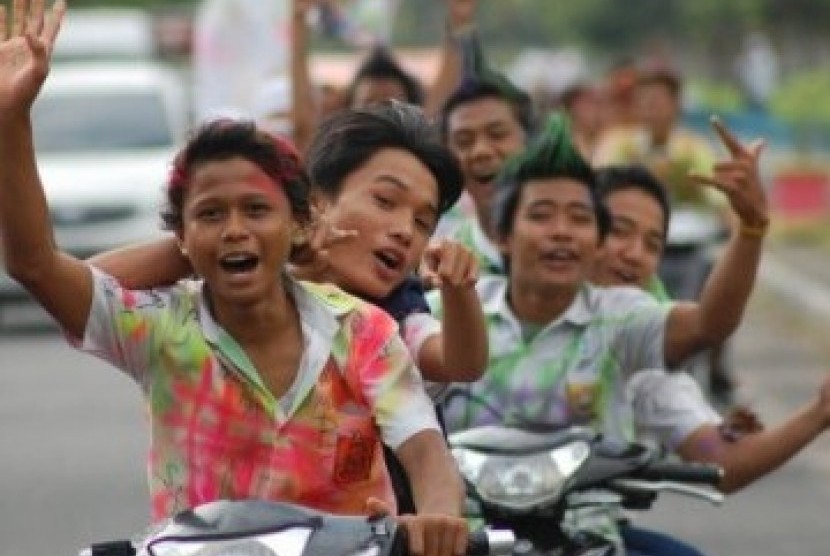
pixel 303 106
pixel 464 342
pixel 436 484
pixel 757 454
pixel 28 243
pixel 144 266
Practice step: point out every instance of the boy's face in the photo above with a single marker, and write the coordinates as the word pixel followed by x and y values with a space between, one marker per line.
pixel 555 235
pixel 483 134
pixel 657 107
pixel 237 228
pixel 392 203
pixel 631 252
pixel 374 90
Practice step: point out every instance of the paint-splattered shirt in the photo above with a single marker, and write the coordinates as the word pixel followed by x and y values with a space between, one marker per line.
pixel 219 433
pixel 572 371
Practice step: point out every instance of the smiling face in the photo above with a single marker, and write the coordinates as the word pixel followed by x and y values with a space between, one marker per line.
pixel 483 134
pixel 631 252
pixel 554 237
pixel 391 201
pixel 237 229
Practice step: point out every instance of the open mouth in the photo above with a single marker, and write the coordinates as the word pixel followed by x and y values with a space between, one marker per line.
pixel 484 179
pixel 239 263
pixel 560 256
pixel 626 276
pixel 392 260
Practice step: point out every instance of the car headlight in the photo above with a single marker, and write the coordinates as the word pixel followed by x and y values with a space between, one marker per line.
pixel 521 481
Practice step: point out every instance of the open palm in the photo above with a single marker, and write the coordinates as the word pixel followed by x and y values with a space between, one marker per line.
pixel 26 43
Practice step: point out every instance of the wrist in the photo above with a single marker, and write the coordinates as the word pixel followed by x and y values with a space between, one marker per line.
pixel 755 230
pixel 456 32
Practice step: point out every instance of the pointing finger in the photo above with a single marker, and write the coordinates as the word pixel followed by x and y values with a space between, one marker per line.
pixel 727 138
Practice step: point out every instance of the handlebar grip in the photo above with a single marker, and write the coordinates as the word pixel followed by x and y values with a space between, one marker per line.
pixel 487 542
pixel 681 472
pixel 110 548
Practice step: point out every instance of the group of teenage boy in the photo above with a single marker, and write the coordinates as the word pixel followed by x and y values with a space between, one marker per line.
pixel 296 336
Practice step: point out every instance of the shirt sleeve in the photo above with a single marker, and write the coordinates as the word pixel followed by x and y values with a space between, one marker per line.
pixel 641 326
pixel 393 387
pixel 668 407
pixel 120 325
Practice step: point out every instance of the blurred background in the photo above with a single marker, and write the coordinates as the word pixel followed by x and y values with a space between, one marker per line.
pixel 131 77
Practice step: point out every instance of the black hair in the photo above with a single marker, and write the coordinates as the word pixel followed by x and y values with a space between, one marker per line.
pixel 224 139
pixel 381 64
pixel 621 177
pixel 480 81
pixel 348 139
pixel 666 77
pixel 551 155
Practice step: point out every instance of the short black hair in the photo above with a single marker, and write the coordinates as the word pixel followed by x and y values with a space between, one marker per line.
pixel 491 85
pixel 381 64
pixel 620 177
pixel 666 77
pixel 227 138
pixel 348 139
pixel 551 155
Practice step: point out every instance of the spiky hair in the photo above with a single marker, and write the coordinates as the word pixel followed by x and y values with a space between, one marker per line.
pixel 551 154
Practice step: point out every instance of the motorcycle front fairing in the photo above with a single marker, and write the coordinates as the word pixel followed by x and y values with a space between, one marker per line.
pixel 261 528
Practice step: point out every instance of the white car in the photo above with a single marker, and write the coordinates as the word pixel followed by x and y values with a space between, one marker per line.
pixel 105 136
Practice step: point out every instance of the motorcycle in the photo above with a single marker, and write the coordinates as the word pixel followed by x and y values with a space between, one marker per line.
pixel 546 484
pixel 263 528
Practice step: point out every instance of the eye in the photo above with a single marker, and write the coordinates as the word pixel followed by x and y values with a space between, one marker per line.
pixel 384 202
pixel 209 214
pixel 424 225
pixel 258 208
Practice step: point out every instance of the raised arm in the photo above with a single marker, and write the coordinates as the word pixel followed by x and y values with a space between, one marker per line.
pixel 748 457
pixel 303 104
pixel 62 284
pixel 460 23
pixel 719 310
pixel 459 353
pixel 146 265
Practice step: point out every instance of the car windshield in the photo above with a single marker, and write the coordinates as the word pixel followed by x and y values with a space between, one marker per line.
pixel 92 122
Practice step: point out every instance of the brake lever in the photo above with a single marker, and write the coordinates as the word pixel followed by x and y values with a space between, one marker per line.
pixel 715 498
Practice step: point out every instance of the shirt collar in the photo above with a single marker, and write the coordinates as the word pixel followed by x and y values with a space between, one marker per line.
pixel 493 291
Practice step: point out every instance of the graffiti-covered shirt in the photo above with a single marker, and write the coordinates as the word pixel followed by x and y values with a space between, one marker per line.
pixel 572 371
pixel 217 432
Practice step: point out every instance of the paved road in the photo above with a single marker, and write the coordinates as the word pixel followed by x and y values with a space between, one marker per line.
pixel 73 440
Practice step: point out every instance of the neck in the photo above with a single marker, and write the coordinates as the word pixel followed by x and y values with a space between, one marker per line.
pixel 259 321
pixel 485 222
pixel 539 305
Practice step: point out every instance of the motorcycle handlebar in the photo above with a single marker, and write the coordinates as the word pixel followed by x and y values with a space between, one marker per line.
pixel 694 473
pixel 487 542
pixel 481 543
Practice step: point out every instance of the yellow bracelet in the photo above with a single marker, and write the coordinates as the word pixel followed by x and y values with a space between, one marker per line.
pixel 753 231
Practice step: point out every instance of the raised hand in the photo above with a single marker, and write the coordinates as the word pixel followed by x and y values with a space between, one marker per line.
pixel 739 178
pixel 310 257
pixel 460 13
pixel 26 44
pixel 448 264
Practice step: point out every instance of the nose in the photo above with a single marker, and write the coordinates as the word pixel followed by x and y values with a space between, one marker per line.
pixel 481 148
pixel 234 228
pixel 634 252
pixel 559 228
pixel 402 229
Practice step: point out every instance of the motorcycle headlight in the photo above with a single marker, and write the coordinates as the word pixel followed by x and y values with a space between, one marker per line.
pixel 520 482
